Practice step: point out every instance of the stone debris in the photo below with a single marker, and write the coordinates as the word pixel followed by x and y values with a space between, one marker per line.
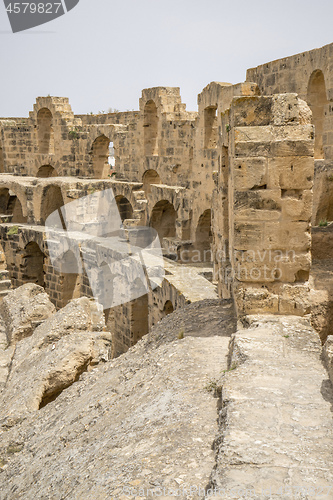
pixel 23 309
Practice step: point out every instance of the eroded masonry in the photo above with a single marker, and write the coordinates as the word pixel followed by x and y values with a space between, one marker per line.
pixel 233 190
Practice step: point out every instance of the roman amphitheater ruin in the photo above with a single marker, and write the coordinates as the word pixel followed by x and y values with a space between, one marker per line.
pixel 240 193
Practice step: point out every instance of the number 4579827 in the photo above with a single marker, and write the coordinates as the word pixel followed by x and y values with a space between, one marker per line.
pixel 33 8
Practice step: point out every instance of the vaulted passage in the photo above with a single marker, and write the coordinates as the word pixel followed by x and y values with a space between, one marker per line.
pixel 125 208
pixel 52 200
pixel 100 157
pixel 139 312
pixel 203 237
pixel 317 100
pixel 46 171
pixel 150 177
pixel 150 129
pixel 45 131
pixel 33 264
pixel 11 207
pixel 163 219
pixel 168 308
pixel 70 282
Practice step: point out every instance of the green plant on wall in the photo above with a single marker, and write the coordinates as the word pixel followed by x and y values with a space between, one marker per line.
pixel 74 134
pixel 13 230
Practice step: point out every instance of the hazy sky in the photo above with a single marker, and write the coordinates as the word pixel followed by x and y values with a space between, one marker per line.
pixel 104 52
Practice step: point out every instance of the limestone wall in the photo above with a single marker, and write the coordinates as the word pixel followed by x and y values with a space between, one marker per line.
pixel 310 75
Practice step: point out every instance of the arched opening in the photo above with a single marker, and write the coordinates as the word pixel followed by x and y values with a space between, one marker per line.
pixel 45 131
pixel 204 237
pixel 168 308
pixel 111 158
pixel 150 129
pixel 210 117
pixel 139 312
pixel 100 157
pixel 10 207
pixel 52 200
pixel 33 264
pixel 124 207
pixel 163 219
pixel 46 171
pixel 105 290
pixel 70 282
pixel 150 177
pixel 317 100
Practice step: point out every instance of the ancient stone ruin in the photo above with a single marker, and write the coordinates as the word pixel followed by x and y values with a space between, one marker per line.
pixel 240 194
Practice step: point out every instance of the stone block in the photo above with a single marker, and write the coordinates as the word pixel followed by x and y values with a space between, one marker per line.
pixel 291 172
pixel 249 173
pixel 287 236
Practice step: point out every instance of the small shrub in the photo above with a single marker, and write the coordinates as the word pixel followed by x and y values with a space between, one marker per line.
pixel 13 230
pixel 323 223
pixel 181 335
pixel 213 386
pixel 73 134
pixel 233 367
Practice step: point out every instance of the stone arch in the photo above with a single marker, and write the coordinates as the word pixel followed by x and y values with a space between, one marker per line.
pixel 150 177
pixel 163 219
pixel 70 283
pixel 204 237
pixel 139 311
pixel 317 100
pixel 100 157
pixel 125 208
pixel 52 200
pixel 150 129
pixel 33 264
pixel 45 131
pixel 210 119
pixel 46 171
pixel 11 207
pixel 168 308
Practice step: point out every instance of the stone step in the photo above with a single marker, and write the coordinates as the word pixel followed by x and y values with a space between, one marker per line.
pixel 128 223
pixel 5 285
pixel 139 195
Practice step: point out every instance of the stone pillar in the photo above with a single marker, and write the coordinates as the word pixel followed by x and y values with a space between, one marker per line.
pixel 271 170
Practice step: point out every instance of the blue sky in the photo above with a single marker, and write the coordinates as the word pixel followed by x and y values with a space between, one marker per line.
pixel 104 52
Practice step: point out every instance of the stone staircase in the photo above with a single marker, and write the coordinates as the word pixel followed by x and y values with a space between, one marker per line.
pixel 138 210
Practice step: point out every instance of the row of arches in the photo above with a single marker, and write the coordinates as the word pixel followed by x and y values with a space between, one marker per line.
pixel 163 217
pixel 102 149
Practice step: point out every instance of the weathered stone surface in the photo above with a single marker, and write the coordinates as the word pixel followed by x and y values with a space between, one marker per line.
pixel 146 419
pixel 23 309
